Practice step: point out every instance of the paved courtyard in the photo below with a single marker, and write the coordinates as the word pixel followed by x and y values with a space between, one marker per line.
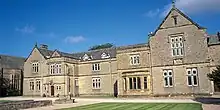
pixel 87 101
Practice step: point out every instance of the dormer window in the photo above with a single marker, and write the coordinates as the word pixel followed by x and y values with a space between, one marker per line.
pixel 104 55
pixel 86 57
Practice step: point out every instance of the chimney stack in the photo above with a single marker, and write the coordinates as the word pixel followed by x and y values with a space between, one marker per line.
pixel 218 35
pixel 43 46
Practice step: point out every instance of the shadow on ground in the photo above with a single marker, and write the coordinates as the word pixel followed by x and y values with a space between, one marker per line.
pixel 208 100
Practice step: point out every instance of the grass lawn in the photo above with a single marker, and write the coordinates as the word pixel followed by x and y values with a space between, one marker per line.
pixel 4 101
pixel 139 106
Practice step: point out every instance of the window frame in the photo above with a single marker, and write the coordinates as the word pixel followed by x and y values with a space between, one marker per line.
pixel 35 67
pixel 135 59
pixel 168 76
pixel 96 83
pixel 96 67
pixel 177 45
pixel 31 85
pixel 38 85
pixel 192 75
pixel 55 68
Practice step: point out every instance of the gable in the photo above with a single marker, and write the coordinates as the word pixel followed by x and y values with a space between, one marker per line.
pixel 56 54
pixel 35 55
pixel 181 20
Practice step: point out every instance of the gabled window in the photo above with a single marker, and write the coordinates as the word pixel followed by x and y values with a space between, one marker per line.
pixel 104 55
pixel 192 77
pixel 96 83
pixel 35 68
pixel 86 57
pixel 96 67
pixel 135 59
pixel 177 46
pixel 168 78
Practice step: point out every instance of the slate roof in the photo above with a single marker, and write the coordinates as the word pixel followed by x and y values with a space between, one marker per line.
pixel 45 52
pixel 213 40
pixel 133 46
pixel 11 62
pixel 96 54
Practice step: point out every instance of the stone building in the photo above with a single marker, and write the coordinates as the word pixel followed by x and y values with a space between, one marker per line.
pixel 11 70
pixel 174 61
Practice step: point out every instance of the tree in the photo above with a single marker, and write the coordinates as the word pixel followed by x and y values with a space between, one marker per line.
pixel 102 46
pixel 215 76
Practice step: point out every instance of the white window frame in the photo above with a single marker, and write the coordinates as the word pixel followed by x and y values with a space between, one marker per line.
pixel 168 76
pixel 31 85
pixel 55 68
pixel 96 83
pixel 104 55
pixel 96 67
pixel 192 75
pixel 134 59
pixel 177 46
pixel 38 86
pixel 35 67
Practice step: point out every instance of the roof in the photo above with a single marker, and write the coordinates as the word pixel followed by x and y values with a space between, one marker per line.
pixel 213 40
pixel 45 52
pixel 11 62
pixel 181 13
pixel 133 46
pixel 97 54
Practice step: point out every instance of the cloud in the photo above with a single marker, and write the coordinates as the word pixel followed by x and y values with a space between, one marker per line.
pixel 198 6
pixel 27 29
pixel 152 13
pixel 74 39
pixel 189 7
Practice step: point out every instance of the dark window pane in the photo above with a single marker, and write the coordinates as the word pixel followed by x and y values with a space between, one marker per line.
pixel 189 80
pixel 130 83
pixel 171 81
pixel 135 83
pixel 195 80
pixel 166 81
pixel 145 82
pixel 139 82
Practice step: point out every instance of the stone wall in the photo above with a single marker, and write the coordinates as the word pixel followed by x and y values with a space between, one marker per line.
pixel 17 105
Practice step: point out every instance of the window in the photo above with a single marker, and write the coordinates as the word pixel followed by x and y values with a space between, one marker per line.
pixel 135 60
pixel 35 67
pixel 192 75
pixel 76 82
pixel 104 55
pixel 55 68
pixel 31 85
pixel 130 83
pixel 135 83
pixel 96 83
pixel 38 85
pixel 177 46
pixel 175 20
pixel 168 78
pixel 96 67
pixel 145 82
pixel 58 87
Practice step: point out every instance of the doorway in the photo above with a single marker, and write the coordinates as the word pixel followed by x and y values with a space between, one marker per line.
pixel 52 90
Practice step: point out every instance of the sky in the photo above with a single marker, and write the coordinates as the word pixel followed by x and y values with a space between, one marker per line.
pixel 75 25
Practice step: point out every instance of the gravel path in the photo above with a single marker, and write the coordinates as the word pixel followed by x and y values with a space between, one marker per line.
pixel 210 107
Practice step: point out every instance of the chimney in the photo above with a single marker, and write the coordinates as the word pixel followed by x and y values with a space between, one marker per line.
pixel 218 35
pixel 43 46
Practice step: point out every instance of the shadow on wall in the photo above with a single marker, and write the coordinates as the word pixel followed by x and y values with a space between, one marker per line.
pixel 208 100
